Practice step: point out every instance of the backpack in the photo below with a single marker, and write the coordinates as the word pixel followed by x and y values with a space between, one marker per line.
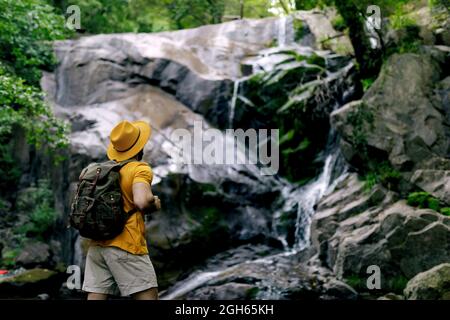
pixel 97 208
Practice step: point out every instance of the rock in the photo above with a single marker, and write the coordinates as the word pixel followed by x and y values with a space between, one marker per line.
pixel 326 36
pixel 354 229
pixel 435 182
pixel 180 235
pixel 31 283
pixel 228 291
pixel 43 296
pixel 416 148
pixel 278 276
pixel 391 296
pixel 407 143
pixel 433 284
pixel 335 289
pixel 34 254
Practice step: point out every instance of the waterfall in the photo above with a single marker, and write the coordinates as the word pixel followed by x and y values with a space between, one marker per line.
pixel 310 195
pixel 233 102
pixel 282 31
pixel 193 283
pixel 285 31
pixel 305 198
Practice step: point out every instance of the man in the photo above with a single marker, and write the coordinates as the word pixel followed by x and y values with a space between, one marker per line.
pixel 123 264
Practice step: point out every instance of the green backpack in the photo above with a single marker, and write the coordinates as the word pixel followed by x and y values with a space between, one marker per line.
pixel 97 208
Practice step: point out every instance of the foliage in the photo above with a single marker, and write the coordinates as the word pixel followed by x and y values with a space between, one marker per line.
pixel 23 106
pixel 398 284
pixel 8 257
pixel 43 215
pixel 424 200
pixel 399 19
pixel 361 120
pixel 26 27
pixel 9 170
pixel 299 29
pixel 356 282
pixel 445 211
pixel 275 93
pixel 339 23
pixel 439 4
pixel 381 173
pixel 311 4
pixel 367 83
pixel 113 16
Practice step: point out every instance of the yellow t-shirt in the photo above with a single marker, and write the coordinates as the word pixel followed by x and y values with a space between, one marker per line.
pixel 132 238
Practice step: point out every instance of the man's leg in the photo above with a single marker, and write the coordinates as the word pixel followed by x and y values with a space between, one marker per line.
pixel 98 280
pixel 97 296
pixel 149 294
pixel 134 274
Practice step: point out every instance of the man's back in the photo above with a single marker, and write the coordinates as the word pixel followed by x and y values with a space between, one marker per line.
pixel 132 239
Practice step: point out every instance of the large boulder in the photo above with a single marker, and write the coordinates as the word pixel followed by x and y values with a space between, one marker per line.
pixel 31 283
pixel 433 284
pixel 403 118
pixel 35 254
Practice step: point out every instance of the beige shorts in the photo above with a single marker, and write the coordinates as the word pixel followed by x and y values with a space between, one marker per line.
pixel 114 271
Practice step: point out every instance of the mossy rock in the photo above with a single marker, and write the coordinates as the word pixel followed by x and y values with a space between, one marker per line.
pixel 31 276
pixel 31 283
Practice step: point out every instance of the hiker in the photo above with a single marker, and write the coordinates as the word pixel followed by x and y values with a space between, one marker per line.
pixel 122 264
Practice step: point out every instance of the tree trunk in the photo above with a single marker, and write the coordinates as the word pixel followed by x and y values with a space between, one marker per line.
pixel 369 59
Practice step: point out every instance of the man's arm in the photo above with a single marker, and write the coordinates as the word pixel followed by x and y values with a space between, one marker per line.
pixel 143 198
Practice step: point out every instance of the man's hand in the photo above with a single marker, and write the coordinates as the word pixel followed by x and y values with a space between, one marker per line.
pixel 155 205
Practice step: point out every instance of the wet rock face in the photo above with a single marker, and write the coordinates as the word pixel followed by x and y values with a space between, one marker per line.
pixel 433 284
pixel 191 220
pixel 276 277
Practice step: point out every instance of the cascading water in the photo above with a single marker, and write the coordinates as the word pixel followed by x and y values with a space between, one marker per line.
pixel 285 31
pixel 303 200
pixel 233 102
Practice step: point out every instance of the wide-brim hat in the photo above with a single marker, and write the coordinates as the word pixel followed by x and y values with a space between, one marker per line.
pixel 127 139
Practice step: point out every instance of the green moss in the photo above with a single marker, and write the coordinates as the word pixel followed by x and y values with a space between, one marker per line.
pixel 361 119
pixel 367 83
pixel 316 60
pixel 445 211
pixel 339 23
pixel 277 100
pixel 39 202
pixel 252 293
pixel 398 284
pixel 423 200
pixel 9 257
pixel 299 29
pixel 32 276
pixel 357 282
pixel 399 19
pixel 381 173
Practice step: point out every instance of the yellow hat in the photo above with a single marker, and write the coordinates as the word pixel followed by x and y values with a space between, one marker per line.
pixel 127 139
